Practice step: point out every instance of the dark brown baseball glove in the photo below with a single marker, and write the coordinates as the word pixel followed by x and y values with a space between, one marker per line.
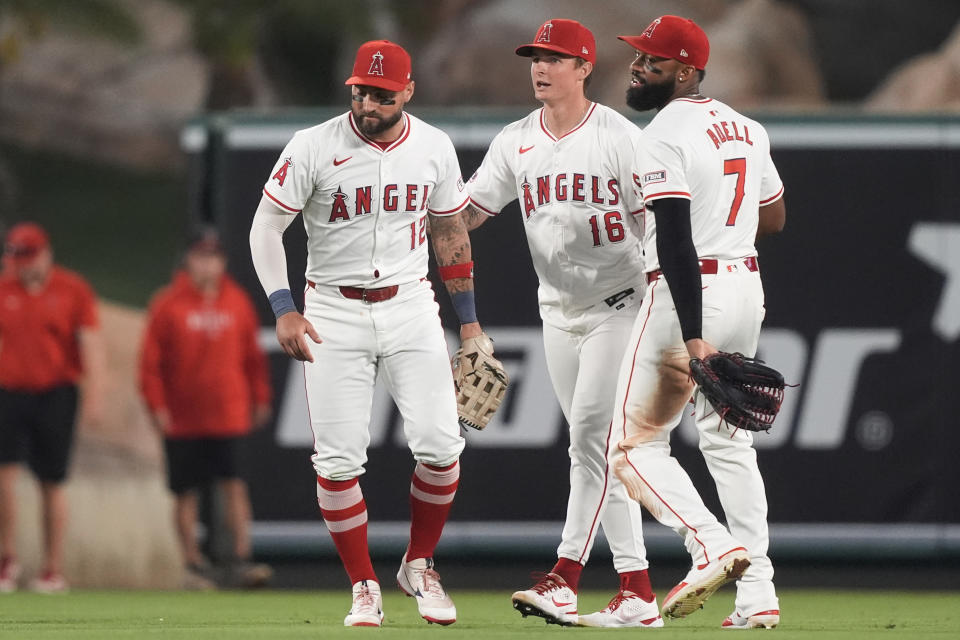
pixel 743 391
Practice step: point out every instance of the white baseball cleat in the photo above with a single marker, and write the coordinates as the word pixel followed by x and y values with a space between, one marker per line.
pixel 49 583
pixel 626 609
pixel 702 581
pixel 418 579
pixel 551 599
pixel 367 609
pixel 9 574
pixel 768 619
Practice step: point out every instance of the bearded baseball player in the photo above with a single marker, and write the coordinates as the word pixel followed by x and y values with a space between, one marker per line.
pixel 710 188
pixel 365 183
pixel 569 163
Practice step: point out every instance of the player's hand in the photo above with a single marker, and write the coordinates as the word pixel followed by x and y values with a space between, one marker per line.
pixel 161 421
pixel 698 348
pixel 261 415
pixel 91 409
pixel 291 329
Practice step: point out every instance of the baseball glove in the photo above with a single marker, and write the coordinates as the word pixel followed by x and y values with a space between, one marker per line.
pixel 744 392
pixel 480 381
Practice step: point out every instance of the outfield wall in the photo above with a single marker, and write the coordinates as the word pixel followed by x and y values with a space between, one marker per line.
pixel 863 312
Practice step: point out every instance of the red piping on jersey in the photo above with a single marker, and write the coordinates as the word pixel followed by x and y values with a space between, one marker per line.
pixel 290 209
pixel 700 101
pixel 481 207
pixel 543 125
pixel 626 395
pixel 666 194
pixel 603 496
pixel 637 212
pixel 454 210
pixel 393 145
pixel 772 198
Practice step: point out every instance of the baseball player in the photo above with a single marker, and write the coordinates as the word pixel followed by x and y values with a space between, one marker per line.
pixel 568 163
pixel 365 182
pixel 710 188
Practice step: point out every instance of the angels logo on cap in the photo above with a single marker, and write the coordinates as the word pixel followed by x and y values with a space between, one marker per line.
pixel 545 32
pixel 376 65
pixel 648 32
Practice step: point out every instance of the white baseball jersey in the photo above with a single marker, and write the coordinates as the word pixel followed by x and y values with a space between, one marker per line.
pixel 364 207
pixel 704 151
pixel 578 203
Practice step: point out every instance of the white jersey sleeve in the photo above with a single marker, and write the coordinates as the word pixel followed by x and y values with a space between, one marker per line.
pixel 629 181
pixel 450 194
pixel 291 181
pixel 494 185
pixel 660 166
pixel 771 186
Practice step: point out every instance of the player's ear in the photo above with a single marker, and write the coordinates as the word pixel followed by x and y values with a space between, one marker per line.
pixel 686 72
pixel 408 91
pixel 587 69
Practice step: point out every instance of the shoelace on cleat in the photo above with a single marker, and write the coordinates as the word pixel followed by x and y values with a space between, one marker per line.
pixel 544 583
pixel 431 583
pixel 364 598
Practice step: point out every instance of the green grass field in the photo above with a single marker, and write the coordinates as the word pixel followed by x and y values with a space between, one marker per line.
pixel 817 614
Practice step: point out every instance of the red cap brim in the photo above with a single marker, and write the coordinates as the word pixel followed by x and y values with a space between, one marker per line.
pixel 526 50
pixel 377 81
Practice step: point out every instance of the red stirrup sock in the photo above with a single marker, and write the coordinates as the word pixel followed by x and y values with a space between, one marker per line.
pixel 638 582
pixel 431 496
pixel 345 514
pixel 570 571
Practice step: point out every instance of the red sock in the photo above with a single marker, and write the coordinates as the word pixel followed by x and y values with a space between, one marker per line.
pixel 638 582
pixel 570 571
pixel 431 496
pixel 345 514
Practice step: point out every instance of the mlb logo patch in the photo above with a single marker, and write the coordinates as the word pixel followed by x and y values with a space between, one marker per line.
pixel 654 176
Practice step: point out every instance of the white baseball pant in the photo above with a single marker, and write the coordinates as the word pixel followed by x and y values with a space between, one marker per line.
pixel 400 339
pixel 651 395
pixel 583 363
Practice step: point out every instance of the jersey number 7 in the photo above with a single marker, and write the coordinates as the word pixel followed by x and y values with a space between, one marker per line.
pixel 738 167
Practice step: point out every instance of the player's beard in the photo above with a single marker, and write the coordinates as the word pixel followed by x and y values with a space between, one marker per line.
pixel 374 125
pixel 644 97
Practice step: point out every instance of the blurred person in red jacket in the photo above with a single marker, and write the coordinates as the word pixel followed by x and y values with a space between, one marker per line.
pixel 49 339
pixel 204 379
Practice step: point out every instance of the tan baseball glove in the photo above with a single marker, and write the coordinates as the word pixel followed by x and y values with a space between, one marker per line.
pixel 480 380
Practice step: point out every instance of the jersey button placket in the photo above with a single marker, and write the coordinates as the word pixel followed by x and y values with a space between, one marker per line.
pixel 375 260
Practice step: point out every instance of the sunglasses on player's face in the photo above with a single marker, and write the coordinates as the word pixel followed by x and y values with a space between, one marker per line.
pixel 380 96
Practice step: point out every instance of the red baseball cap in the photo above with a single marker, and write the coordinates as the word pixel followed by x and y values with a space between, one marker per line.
pixel 673 37
pixel 568 37
pixel 383 64
pixel 24 241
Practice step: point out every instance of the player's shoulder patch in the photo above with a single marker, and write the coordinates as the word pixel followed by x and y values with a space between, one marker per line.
pixel 652 177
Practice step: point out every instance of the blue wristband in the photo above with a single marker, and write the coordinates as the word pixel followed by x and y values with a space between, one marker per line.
pixel 281 301
pixel 465 306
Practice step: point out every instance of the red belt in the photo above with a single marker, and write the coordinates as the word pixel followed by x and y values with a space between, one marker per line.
pixel 710 266
pixel 367 295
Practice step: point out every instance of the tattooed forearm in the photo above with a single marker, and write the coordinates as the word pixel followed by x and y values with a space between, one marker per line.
pixel 451 245
pixel 473 217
